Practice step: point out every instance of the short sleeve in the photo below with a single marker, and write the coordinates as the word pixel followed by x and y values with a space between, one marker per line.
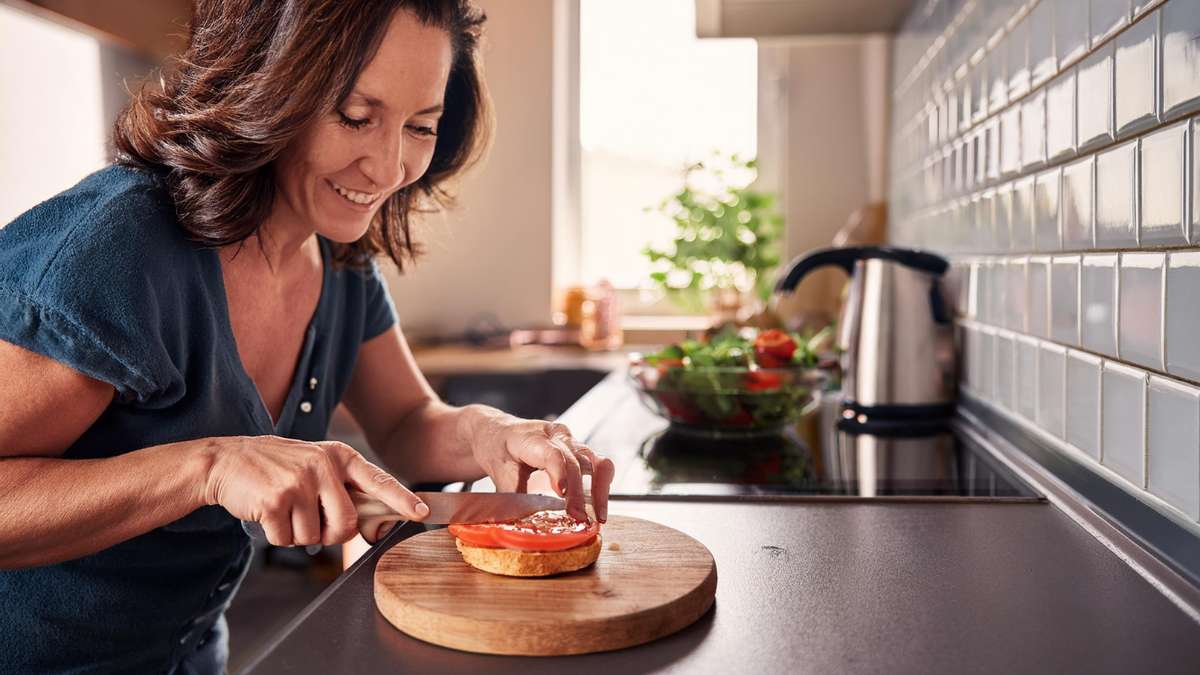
pixel 83 280
pixel 380 312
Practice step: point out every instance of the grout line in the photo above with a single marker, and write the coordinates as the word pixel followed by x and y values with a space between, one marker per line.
pixel 1162 313
pixel 1192 121
pixel 979 325
pixel 1020 14
pixel 1092 147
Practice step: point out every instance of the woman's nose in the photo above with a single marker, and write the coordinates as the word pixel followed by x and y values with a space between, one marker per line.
pixel 384 162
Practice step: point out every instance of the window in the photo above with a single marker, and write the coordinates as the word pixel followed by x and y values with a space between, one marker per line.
pixel 52 125
pixel 653 97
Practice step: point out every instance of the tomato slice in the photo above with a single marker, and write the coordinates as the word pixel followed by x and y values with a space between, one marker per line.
pixel 774 348
pixel 475 535
pixel 542 531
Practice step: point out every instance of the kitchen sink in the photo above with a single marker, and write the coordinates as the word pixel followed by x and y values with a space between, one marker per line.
pixel 536 394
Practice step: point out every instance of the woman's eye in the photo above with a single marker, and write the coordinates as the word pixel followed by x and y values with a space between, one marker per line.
pixel 423 130
pixel 352 122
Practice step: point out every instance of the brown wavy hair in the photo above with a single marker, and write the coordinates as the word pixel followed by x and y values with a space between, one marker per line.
pixel 254 75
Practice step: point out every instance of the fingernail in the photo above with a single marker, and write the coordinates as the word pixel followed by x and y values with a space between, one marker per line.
pixel 422 509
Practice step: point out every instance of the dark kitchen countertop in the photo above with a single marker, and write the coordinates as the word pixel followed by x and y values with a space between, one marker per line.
pixel 830 588
pixel 821 587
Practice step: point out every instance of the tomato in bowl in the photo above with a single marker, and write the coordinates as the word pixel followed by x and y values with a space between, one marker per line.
pixel 745 381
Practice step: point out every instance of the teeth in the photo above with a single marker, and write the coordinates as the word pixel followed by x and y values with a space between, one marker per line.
pixel 352 195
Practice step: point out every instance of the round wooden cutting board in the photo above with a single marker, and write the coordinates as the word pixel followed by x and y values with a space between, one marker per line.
pixel 649 581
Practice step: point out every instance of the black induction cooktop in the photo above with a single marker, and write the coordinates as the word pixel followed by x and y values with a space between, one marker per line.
pixel 815 459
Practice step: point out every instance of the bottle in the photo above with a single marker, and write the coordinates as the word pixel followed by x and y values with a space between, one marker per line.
pixel 600 328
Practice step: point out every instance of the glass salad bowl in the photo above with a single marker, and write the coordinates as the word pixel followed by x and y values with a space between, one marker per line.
pixel 734 399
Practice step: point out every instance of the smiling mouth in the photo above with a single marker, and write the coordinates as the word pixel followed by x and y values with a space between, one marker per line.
pixel 354 196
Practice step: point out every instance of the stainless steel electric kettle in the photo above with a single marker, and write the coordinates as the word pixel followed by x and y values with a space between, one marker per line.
pixel 895 332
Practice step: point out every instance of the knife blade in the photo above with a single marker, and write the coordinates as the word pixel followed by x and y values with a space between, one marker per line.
pixel 444 508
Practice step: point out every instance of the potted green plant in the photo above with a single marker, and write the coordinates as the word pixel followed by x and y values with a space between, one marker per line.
pixel 726 242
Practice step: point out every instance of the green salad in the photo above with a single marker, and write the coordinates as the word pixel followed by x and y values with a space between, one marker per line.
pixel 744 379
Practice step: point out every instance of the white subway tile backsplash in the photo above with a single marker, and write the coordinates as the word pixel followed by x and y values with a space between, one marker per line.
pixel 1115 189
pixel 999 287
pixel 1064 300
pixel 1098 304
pixel 1108 17
pixel 954 106
pixel 978 104
pixel 993 147
pixel 1017 45
pixel 985 214
pixel 1173 444
pixel 1049 148
pixel 1183 315
pixel 986 363
pixel 1137 76
pixel 1077 201
pixel 1192 195
pixel 1164 170
pixel 1006 363
pixel 1094 103
pixel 1042 62
pixel 1060 116
pixel 1016 295
pixel 1026 385
pixel 1139 326
pixel 997 71
pixel 1122 421
pixel 1045 210
pixel 1052 378
pixel 1002 217
pixel 1180 57
pixel 1021 220
pixel 1033 130
pixel 1070 30
pixel 971 287
pixel 1038 285
pixel 1010 140
pixel 1140 7
pixel 1083 402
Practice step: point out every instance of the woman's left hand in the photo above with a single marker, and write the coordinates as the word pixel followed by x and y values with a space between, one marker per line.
pixel 510 448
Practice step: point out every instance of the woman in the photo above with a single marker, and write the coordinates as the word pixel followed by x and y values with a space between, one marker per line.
pixel 176 330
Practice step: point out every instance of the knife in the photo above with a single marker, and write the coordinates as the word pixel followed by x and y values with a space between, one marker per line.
pixel 444 508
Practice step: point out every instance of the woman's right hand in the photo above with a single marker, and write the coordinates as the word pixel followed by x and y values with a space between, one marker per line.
pixel 297 489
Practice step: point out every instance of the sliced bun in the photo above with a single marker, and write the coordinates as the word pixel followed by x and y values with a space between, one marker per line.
pixel 512 563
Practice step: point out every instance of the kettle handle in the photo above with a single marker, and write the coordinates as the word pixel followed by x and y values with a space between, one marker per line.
pixel 847 256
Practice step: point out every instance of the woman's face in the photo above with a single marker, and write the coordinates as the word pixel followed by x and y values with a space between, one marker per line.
pixel 336 175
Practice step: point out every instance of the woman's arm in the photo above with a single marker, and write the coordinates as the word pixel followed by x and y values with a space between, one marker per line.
pixel 54 509
pixel 417 435
pixel 423 439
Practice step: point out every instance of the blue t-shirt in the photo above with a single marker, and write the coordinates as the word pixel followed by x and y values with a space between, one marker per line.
pixel 103 279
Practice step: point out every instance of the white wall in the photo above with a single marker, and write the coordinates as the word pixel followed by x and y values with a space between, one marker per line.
pixel 492 255
pixel 53 125
pixel 822 139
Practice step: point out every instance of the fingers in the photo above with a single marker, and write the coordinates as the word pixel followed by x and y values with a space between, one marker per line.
pixel 383 486
pixel 306 520
pixel 341 518
pixel 566 475
pixel 602 470
pixel 277 524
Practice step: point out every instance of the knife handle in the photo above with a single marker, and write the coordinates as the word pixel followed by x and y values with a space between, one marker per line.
pixel 374 517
